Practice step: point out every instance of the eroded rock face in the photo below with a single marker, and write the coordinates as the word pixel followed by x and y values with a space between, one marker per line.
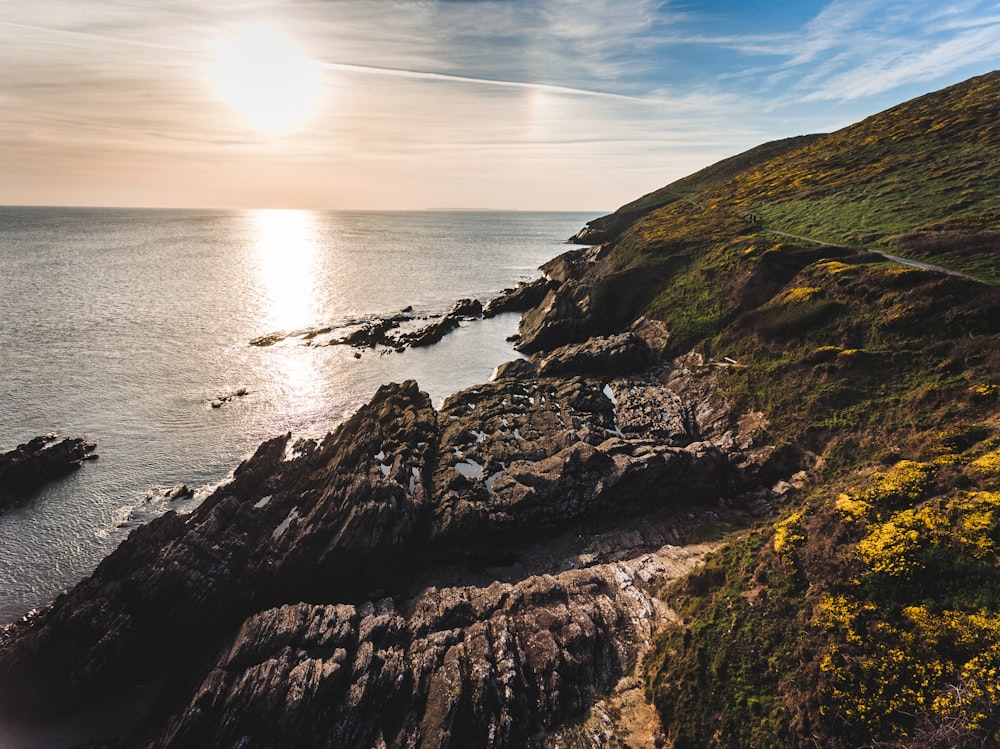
pixel 38 461
pixel 623 353
pixel 280 529
pixel 456 667
pixel 566 313
pixel 562 316
pixel 522 297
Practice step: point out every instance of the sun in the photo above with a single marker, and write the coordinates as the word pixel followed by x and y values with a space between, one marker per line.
pixel 266 77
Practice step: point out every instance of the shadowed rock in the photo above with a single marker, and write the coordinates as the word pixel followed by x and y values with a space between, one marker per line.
pixel 522 297
pixel 35 463
pixel 458 667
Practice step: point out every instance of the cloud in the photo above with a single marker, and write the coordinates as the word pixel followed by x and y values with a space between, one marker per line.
pixel 634 92
pixel 449 78
pixel 906 64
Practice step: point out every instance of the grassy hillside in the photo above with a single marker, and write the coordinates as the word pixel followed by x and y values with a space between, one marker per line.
pixel 869 611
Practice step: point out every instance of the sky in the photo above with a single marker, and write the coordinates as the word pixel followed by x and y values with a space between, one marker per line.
pixel 442 104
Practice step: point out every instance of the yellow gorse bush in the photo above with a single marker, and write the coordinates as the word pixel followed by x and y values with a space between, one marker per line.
pixel 887 662
pixel 788 533
pixel 907 481
pixel 890 547
pixel 800 294
pixel 988 464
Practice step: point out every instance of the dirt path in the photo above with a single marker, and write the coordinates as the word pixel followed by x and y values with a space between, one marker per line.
pixel 887 256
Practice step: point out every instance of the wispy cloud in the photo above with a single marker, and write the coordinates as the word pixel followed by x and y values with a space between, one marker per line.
pixel 449 78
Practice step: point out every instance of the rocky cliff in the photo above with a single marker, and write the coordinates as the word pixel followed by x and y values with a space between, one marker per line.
pixel 419 577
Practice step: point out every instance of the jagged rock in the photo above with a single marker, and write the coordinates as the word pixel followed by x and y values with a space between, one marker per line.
pixel 396 488
pixel 458 667
pixel 559 319
pixel 371 333
pixel 224 399
pixel 466 308
pixel 394 484
pixel 374 333
pixel 280 528
pixel 564 315
pixel 515 369
pixel 648 408
pixel 612 355
pixel 430 334
pixel 38 461
pixel 522 297
pixel 462 309
pixel 573 265
pixel 655 335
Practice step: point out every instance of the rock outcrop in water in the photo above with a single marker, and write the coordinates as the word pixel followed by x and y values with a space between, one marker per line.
pixel 38 461
pixel 393 332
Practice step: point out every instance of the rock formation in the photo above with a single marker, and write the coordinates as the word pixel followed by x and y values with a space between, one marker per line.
pixel 299 600
pixel 34 463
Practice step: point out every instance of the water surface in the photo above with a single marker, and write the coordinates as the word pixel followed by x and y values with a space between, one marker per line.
pixel 123 326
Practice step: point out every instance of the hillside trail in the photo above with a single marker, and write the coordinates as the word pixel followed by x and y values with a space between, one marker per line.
pixel 886 255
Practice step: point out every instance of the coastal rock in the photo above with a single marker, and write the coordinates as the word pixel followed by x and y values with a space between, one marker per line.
pixel 38 461
pixel 381 331
pixel 281 528
pixel 566 314
pixel 612 355
pixel 356 512
pixel 463 309
pixel 430 334
pixel 456 667
pixel 224 399
pixel 374 333
pixel 560 318
pixel 573 266
pixel 522 297
pixel 397 489
pixel 466 308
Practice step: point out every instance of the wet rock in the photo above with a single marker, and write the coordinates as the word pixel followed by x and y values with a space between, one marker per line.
pixel 396 489
pixel 515 369
pixel 430 334
pixel 279 529
pixel 373 333
pixel 268 339
pixel 559 319
pixel 224 399
pixel 463 309
pixel 33 464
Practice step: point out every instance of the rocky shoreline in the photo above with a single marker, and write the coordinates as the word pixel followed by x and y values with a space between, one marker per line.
pixel 478 575
pixel 403 330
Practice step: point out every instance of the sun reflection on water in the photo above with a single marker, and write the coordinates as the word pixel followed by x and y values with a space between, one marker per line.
pixel 286 259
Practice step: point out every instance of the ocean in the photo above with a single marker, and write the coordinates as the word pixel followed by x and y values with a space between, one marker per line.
pixel 123 326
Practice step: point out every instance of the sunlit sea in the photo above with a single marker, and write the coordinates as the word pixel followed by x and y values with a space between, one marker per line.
pixel 122 326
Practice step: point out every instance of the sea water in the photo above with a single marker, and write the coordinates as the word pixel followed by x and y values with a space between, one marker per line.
pixel 123 326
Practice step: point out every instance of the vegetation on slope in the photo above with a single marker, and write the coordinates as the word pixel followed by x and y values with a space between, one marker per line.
pixel 869 612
